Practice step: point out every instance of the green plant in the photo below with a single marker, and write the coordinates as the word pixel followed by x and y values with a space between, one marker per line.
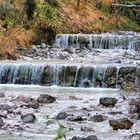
pixel 46 23
pixel 10 15
pixel 61 133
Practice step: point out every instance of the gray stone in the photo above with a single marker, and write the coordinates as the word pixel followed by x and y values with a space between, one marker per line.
pixel 91 137
pixel 97 118
pixel 135 105
pixel 78 138
pixel 106 101
pixel 45 98
pixel 28 118
pixel 33 105
pixel 86 128
pixel 123 123
pixel 61 116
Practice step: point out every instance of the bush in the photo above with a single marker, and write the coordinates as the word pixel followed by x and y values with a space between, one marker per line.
pixel 10 16
pixel 46 23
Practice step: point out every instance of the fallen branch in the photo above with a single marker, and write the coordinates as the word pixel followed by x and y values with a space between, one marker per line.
pixel 129 6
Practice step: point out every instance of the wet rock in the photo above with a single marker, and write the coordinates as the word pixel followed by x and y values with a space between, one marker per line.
pixel 78 138
pixel 23 98
pixel 91 137
pixel 83 41
pixel 61 116
pixel 28 118
pixel 2 95
pixel 45 98
pixel 64 55
pixel 69 50
pixel 123 123
pixel 76 118
pixel 46 76
pixel 110 77
pixel 87 83
pixel 83 79
pixel 98 118
pixel 135 106
pixel 1 123
pixel 69 78
pixel 134 102
pixel 86 128
pixel 106 101
pixel 33 105
pixel 127 78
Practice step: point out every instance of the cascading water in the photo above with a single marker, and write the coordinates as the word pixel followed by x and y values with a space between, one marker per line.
pixel 102 41
pixel 67 76
pixel 20 74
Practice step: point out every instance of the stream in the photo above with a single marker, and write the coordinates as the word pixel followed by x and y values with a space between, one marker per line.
pixel 77 70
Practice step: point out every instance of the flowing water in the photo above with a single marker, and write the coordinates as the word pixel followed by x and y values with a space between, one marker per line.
pixel 86 102
pixel 64 75
pixel 102 41
pixel 87 82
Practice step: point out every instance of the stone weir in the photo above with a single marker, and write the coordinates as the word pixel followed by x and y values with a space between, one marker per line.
pixel 125 77
pixel 101 41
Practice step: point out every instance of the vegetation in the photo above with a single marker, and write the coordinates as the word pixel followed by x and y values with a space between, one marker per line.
pixel 27 22
pixel 61 133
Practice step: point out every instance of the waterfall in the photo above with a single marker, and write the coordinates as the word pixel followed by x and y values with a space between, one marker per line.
pixel 20 74
pixel 75 79
pixel 117 76
pixel 102 41
pixel 65 75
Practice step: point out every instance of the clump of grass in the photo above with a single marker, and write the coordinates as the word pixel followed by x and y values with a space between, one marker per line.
pixel 12 39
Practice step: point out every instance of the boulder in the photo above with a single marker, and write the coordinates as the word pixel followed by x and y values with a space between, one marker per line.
pixel 61 116
pixel 106 101
pixel 45 98
pixel 123 123
pixel 28 118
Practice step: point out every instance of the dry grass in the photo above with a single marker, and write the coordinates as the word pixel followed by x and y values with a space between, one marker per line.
pixel 12 39
pixel 87 18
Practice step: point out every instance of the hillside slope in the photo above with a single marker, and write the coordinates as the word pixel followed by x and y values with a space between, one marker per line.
pixel 92 16
pixel 27 22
